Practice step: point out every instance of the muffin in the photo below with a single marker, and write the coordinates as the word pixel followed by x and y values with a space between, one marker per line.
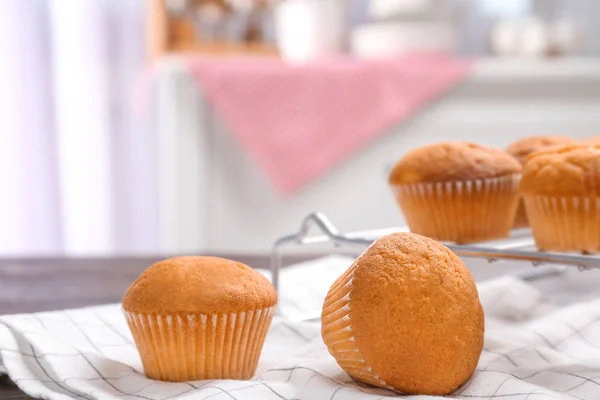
pixel 405 316
pixel 195 318
pixel 460 192
pixel 523 148
pixel 561 190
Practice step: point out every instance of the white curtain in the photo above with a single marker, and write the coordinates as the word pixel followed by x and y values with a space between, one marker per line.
pixel 77 165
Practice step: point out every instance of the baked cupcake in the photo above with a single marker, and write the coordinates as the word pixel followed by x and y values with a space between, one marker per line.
pixel 561 190
pixel 195 318
pixel 405 316
pixel 523 148
pixel 460 192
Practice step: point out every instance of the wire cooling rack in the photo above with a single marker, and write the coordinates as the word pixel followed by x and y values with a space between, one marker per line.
pixel 518 247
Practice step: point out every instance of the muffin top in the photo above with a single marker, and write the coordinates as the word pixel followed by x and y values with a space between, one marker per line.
pixel 524 147
pixel 416 314
pixel 452 161
pixel 199 285
pixel 592 140
pixel 572 170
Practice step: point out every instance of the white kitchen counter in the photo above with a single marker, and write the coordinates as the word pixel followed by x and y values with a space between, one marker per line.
pixel 552 69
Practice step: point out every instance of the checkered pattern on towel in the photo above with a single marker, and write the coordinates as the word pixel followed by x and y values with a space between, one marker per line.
pixel 533 351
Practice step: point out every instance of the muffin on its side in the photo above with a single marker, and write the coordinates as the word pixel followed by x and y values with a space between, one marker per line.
pixel 195 318
pixel 405 316
pixel 523 148
pixel 561 190
pixel 458 191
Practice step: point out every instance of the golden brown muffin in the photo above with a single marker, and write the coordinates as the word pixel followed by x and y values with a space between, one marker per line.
pixel 521 149
pixel 405 316
pixel 561 189
pixel 460 192
pixel 195 318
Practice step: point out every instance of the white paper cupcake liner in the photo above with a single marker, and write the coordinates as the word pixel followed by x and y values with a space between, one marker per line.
pixel 565 223
pixel 182 347
pixel 460 211
pixel 338 334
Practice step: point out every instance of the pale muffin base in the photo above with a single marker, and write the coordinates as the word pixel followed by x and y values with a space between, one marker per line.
pixel 188 347
pixel 565 223
pixel 461 211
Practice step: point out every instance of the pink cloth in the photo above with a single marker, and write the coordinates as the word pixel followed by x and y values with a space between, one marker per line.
pixel 298 122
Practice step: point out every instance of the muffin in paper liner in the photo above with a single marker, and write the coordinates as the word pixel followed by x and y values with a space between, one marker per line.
pixel 188 347
pixel 377 317
pixel 523 148
pixel 195 318
pixel 457 191
pixel 561 189
pixel 460 211
pixel 565 223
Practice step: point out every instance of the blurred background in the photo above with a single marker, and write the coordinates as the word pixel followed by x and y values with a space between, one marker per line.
pixel 134 127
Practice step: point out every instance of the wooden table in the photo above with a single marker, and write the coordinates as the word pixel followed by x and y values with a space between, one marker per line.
pixel 30 285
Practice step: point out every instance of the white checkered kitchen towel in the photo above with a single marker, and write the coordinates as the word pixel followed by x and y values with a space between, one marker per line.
pixel 532 351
